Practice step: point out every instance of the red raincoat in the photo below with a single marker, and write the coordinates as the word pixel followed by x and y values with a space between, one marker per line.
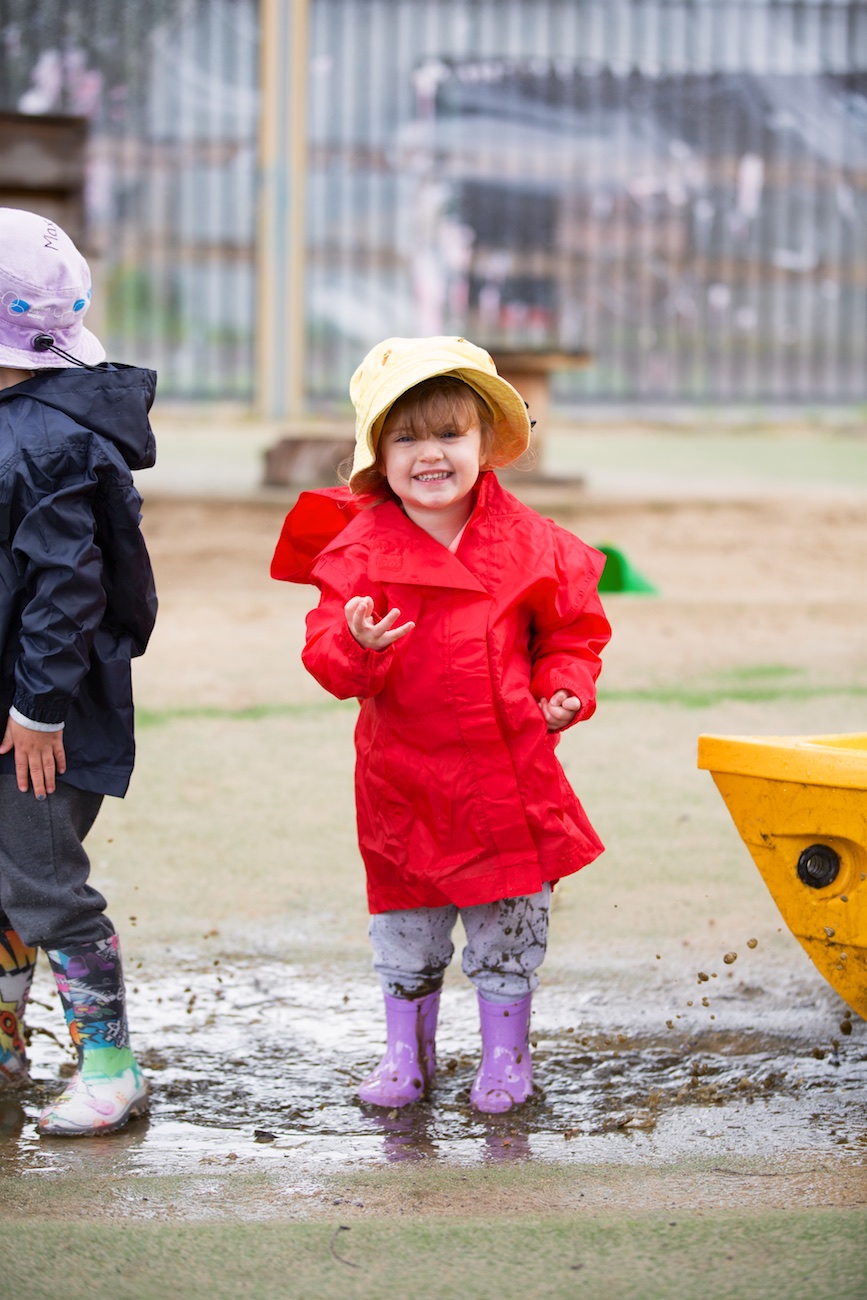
pixel 459 793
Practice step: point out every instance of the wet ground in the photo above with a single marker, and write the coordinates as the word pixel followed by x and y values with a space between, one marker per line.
pixel 690 1136
pixel 242 1073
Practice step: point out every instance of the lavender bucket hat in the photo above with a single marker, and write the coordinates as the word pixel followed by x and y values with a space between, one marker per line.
pixel 44 293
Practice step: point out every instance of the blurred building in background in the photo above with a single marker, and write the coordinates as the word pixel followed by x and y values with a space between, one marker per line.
pixel 678 187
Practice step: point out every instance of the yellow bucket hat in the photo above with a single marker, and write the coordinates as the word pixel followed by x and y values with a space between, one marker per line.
pixel 396 365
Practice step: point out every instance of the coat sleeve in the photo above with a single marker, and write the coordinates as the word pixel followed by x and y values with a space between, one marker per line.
pixel 569 628
pixel 331 653
pixel 56 552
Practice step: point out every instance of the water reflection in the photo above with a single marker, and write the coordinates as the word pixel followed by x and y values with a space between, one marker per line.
pixel 12 1117
pixel 407 1133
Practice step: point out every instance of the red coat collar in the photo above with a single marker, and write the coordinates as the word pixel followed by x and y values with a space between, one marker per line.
pixel 400 551
pixel 325 521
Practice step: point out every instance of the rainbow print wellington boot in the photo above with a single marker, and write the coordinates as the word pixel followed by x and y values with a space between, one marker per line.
pixel 108 1087
pixel 17 964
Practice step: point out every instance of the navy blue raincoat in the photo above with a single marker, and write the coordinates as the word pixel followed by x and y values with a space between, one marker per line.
pixel 77 597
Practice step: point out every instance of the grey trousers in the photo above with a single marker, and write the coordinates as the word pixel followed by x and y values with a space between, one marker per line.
pixel 506 944
pixel 44 893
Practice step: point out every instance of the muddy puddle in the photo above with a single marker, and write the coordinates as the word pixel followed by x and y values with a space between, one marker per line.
pixel 258 1064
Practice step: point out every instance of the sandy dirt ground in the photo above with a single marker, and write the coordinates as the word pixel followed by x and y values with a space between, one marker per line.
pixel 679 1125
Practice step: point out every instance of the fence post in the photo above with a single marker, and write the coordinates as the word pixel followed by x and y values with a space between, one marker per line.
pixel 280 310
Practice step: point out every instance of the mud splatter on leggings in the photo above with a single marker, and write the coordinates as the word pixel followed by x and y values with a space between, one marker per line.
pixel 505 946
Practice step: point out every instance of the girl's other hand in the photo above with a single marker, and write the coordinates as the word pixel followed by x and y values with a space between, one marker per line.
pixel 370 632
pixel 560 710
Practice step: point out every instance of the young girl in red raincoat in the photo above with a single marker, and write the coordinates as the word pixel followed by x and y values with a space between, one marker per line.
pixel 470 629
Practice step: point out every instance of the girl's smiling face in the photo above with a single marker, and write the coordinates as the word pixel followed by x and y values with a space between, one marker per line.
pixel 431 470
pixel 434 442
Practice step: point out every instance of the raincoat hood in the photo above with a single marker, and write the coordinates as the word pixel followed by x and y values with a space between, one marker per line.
pixel 112 400
pixel 315 520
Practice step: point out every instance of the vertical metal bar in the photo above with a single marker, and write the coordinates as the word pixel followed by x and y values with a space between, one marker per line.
pixel 152 258
pixel 755 318
pixel 815 168
pixel 280 316
pixel 213 264
pixel 328 88
pixel 597 203
pixel 854 327
pixel 616 285
pixel 241 54
pixel 806 349
pixel 130 256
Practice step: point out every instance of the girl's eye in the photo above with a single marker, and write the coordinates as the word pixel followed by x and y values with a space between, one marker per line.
pixel 450 433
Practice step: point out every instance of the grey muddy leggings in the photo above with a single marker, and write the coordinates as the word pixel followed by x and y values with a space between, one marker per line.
pixel 505 946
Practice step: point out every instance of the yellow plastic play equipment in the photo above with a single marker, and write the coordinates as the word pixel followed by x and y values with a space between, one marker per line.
pixel 800 804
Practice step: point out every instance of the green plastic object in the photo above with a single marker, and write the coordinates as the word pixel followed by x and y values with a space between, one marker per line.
pixel 620 575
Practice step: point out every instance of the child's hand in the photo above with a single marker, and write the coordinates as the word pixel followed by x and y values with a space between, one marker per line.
pixel 560 710
pixel 39 756
pixel 369 632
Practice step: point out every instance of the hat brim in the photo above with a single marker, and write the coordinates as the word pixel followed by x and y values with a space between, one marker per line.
pixel 86 349
pixel 510 423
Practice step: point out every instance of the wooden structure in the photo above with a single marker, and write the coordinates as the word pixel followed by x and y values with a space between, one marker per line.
pixel 42 168
pixel 530 373
pixel 280 324
pixel 307 460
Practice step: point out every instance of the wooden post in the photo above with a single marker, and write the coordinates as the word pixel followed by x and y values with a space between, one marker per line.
pixel 280 315
pixel 530 373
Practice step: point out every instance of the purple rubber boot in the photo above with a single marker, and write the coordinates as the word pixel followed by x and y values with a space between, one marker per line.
pixel 409 1063
pixel 505 1076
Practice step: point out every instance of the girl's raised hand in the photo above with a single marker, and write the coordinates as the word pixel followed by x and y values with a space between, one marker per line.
pixel 370 632
pixel 560 710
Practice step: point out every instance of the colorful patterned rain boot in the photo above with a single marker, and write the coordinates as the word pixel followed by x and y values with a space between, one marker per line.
pixel 409 1064
pixel 505 1077
pixel 17 964
pixel 108 1088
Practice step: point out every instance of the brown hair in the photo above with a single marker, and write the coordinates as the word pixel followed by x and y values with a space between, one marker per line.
pixel 433 404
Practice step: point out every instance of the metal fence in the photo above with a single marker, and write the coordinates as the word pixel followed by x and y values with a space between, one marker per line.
pixel 170 88
pixel 677 186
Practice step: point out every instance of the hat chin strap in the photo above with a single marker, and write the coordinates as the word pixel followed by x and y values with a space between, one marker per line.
pixel 45 343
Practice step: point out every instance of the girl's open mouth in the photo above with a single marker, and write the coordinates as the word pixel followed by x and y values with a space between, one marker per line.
pixel 432 476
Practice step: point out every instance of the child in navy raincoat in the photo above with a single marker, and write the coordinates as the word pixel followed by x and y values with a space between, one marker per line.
pixel 470 629
pixel 77 602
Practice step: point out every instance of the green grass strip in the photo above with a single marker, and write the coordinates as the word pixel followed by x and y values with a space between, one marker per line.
pixel 684 696
pixel 696 697
pixel 801 1254
pixel 251 713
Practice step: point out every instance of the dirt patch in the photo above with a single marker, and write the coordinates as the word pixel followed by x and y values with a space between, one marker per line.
pixel 780 585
